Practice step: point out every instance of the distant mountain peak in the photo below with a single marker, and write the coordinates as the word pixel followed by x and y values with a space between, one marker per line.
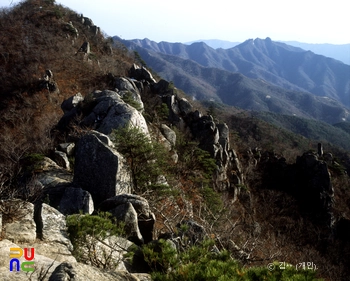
pixel 287 71
pixel 216 43
pixel 338 52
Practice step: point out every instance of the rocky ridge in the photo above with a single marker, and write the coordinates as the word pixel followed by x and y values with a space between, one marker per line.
pixel 102 179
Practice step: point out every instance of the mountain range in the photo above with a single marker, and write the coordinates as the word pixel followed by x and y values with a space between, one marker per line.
pixel 261 75
pixel 339 52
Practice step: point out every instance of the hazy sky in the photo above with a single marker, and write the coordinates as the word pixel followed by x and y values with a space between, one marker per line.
pixel 309 21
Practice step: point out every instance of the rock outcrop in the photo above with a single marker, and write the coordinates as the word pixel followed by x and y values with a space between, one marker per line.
pixel 112 112
pixel 23 228
pixel 127 86
pixel 49 174
pixel 70 200
pixel 50 266
pixel 317 194
pixel 102 176
pixel 89 24
pixel 51 225
pixel 52 249
pixel 212 137
pixel 105 110
pixel 134 210
pixel 48 83
pixel 169 134
pixel 308 180
pixel 141 74
pixel 72 102
pixel 100 170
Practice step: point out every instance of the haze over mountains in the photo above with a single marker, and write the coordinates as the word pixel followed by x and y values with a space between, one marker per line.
pixel 261 75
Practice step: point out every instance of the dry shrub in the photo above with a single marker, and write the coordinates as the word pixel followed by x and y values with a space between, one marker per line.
pixel 12 210
pixel 25 130
pixel 26 51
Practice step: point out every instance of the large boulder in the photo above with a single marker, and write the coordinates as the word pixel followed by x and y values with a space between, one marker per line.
pixel 141 73
pixel 72 102
pixel 120 115
pixel 126 86
pixel 69 199
pixel 169 134
pixel 51 225
pixel 49 174
pixel 162 88
pixel 110 112
pixel 184 106
pixel 120 205
pixel 127 214
pixel 75 200
pixel 105 110
pixel 53 250
pixel 100 169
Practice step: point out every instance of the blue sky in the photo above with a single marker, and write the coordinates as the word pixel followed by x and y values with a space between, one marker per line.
pixel 309 21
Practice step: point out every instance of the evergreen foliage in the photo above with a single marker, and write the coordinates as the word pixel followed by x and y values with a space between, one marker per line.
pixel 146 158
pixel 200 262
pixel 86 230
pixel 139 59
pixel 192 158
pixel 128 98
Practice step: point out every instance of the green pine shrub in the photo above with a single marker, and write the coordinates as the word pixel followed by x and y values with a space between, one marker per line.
pixel 128 98
pixel 201 263
pixel 86 230
pixel 147 159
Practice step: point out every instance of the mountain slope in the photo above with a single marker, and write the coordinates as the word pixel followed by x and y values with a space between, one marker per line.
pixel 238 90
pixel 277 63
pixel 338 52
pixel 310 129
